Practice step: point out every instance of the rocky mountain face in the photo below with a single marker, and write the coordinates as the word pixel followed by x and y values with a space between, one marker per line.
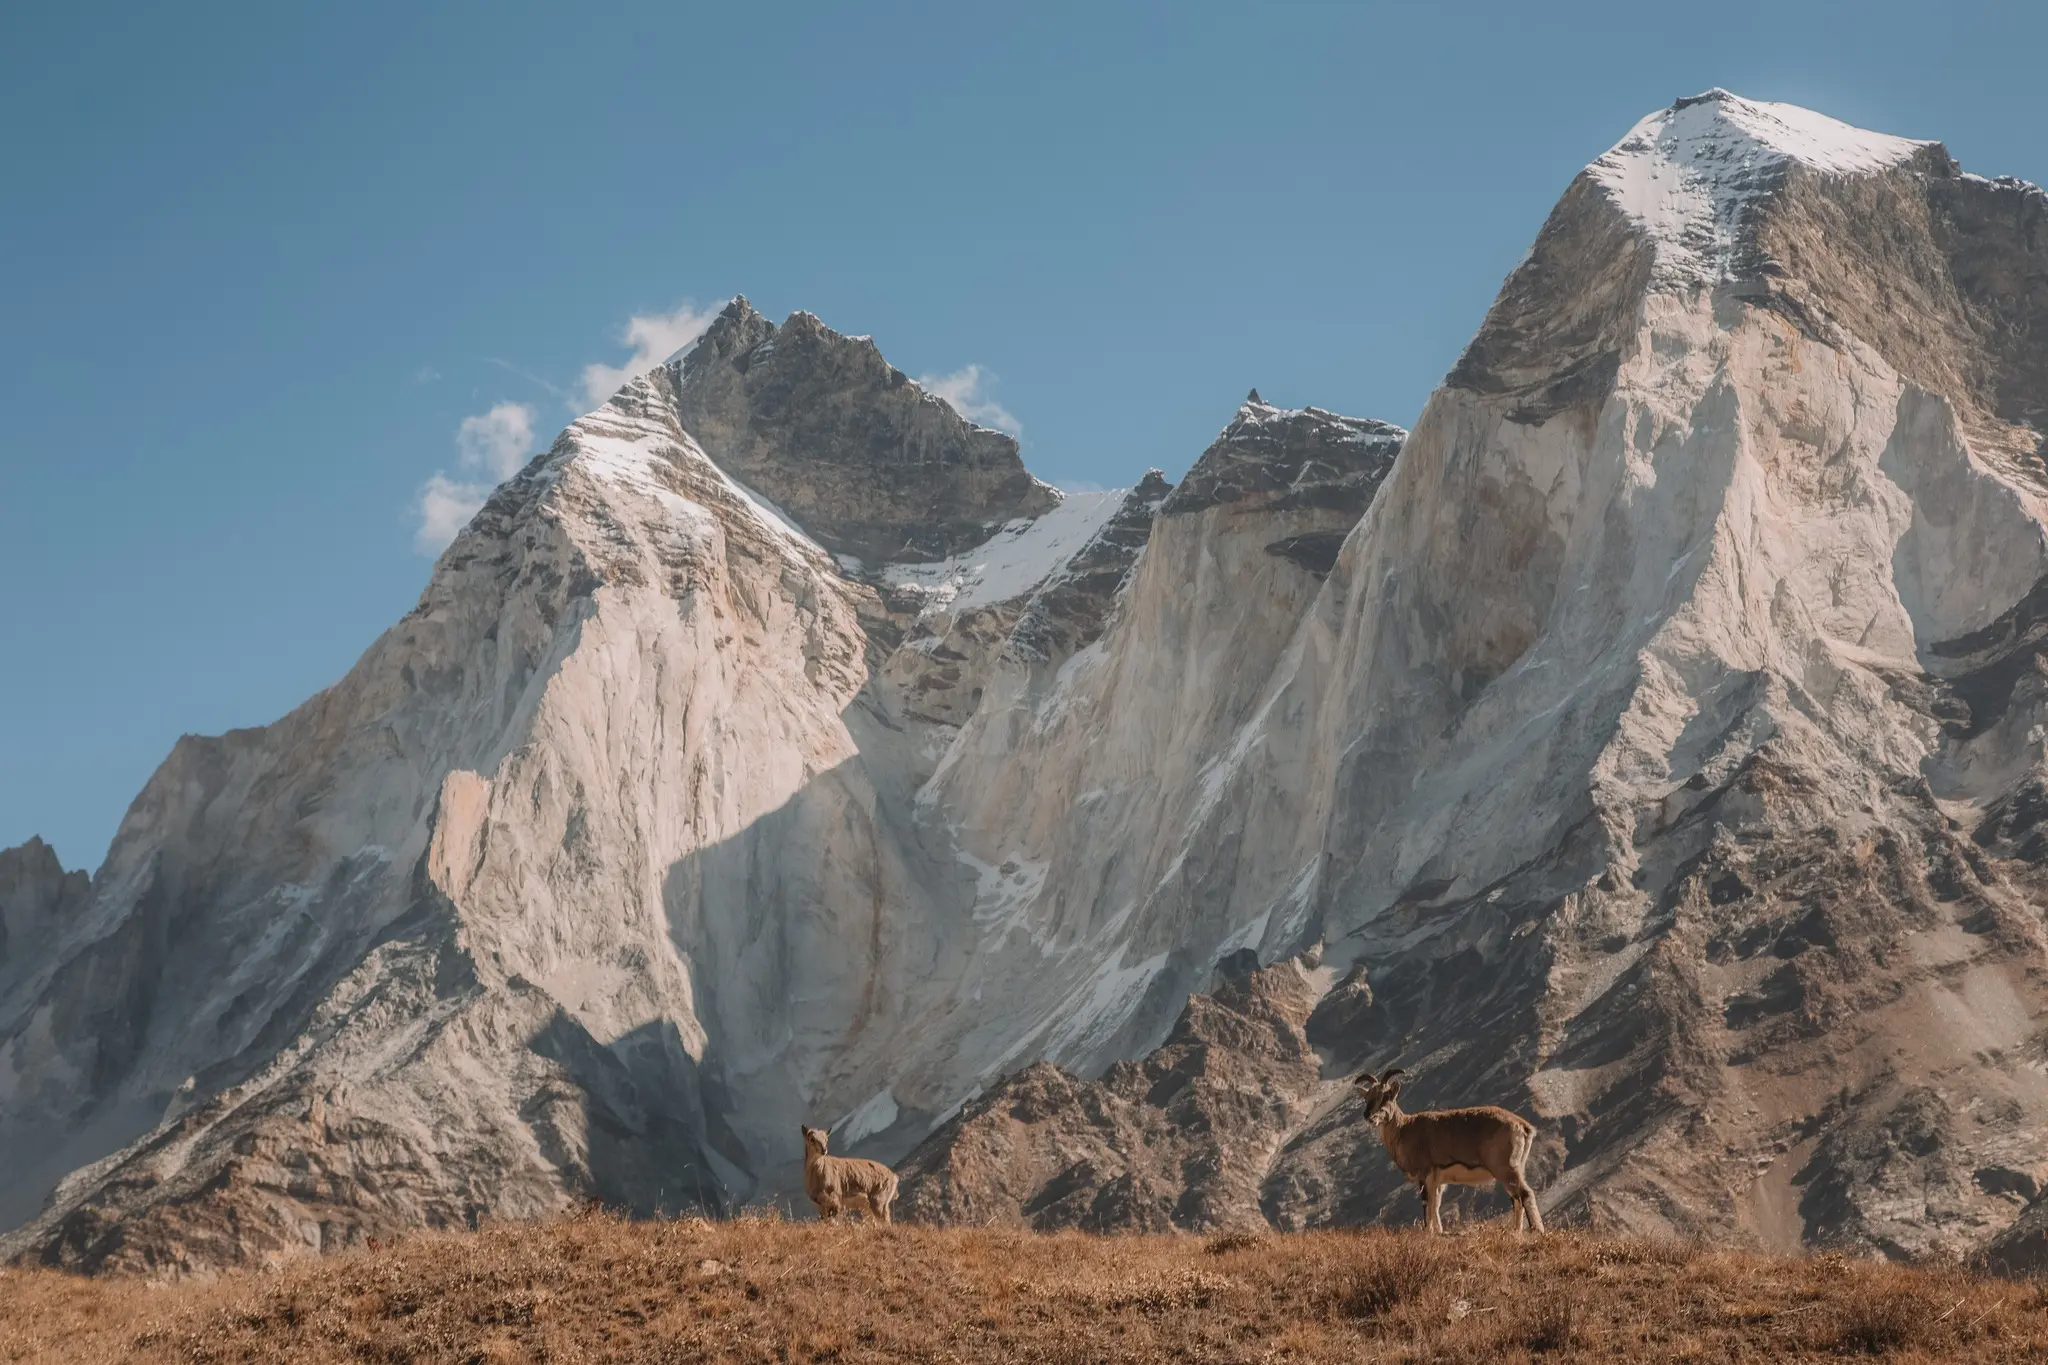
pixel 1650 742
pixel 1180 1138
pixel 606 867
pixel 36 894
pixel 869 464
pixel 1675 720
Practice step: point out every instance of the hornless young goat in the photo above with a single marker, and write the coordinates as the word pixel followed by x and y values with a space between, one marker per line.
pixel 1440 1147
pixel 845 1182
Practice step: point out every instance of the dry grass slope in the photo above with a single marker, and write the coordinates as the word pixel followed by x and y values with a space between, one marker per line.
pixel 599 1289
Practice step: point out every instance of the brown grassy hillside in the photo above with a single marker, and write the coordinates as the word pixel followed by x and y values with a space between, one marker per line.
pixel 597 1289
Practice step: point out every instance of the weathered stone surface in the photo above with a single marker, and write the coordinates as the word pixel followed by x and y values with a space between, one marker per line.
pixel 868 463
pixel 36 893
pixel 2021 1250
pixel 1178 1140
pixel 1070 612
pixel 1277 459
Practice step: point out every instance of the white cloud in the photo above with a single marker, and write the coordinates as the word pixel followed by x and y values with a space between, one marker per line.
pixel 445 508
pixel 497 441
pixel 654 338
pixel 496 444
pixel 964 390
pixel 491 446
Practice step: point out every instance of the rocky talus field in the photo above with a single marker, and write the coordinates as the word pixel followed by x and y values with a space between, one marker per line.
pixel 1650 740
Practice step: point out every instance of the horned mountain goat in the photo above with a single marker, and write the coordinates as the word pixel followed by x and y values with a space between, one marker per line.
pixel 837 1183
pixel 1440 1147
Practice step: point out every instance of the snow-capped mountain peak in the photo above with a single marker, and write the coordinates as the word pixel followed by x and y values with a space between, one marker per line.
pixel 1688 173
pixel 1651 733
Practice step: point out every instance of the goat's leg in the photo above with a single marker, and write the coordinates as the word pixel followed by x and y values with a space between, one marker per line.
pixel 1526 1216
pixel 1514 1198
pixel 1519 1193
pixel 1433 1196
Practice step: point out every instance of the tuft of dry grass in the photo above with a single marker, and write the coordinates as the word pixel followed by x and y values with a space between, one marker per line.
pixel 1387 1275
pixel 595 1288
pixel 1223 1243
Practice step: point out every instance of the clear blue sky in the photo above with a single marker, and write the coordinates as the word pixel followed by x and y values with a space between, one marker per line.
pixel 258 262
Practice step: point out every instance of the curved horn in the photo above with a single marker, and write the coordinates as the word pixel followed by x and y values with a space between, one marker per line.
pixel 1365 1078
pixel 1392 1072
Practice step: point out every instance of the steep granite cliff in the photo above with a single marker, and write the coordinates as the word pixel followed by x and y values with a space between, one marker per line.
pixel 1669 728
pixel 611 863
pixel 1651 741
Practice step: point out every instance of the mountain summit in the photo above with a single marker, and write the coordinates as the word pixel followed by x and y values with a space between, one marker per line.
pixel 866 461
pixel 622 853
pixel 1656 758
pixel 1649 742
pixel 1688 175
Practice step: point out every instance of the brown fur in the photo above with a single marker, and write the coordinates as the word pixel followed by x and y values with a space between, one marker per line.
pixel 844 1183
pixel 1440 1147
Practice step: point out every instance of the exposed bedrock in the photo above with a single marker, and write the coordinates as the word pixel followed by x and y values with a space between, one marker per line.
pixel 1650 742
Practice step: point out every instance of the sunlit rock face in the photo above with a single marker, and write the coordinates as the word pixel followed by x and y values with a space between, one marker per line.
pixel 615 860
pixel 1650 741
pixel 1663 749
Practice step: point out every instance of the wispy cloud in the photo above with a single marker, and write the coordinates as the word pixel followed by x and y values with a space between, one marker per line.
pixel 530 377
pixel 654 337
pixel 967 390
pixel 445 507
pixel 492 444
pixel 497 441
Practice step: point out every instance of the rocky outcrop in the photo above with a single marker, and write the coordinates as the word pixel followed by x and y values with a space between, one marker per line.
pixel 1180 1139
pixel 36 894
pixel 1277 459
pixel 868 463
pixel 1071 609
pixel 2021 1250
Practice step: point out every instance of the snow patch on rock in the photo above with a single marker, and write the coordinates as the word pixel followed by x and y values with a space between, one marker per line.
pixel 1005 892
pixel 876 1114
pixel 633 452
pixel 1015 560
pixel 1689 173
pixel 1102 1005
